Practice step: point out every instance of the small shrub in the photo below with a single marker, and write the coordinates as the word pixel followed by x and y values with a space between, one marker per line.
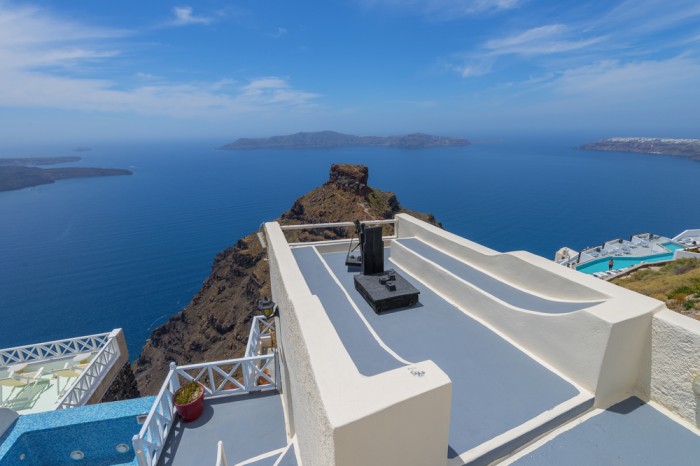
pixel 680 293
pixel 688 305
pixel 682 266
pixel 188 393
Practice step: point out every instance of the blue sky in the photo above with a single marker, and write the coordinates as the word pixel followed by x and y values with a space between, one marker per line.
pixel 220 70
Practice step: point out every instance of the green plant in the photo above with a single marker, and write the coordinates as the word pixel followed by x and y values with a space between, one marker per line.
pixel 188 393
pixel 681 290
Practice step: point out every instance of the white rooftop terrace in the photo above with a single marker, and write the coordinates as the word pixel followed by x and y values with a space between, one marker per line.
pixel 503 350
pixel 60 374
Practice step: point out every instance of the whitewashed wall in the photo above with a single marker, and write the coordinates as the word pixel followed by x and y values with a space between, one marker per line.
pixel 675 360
pixel 339 416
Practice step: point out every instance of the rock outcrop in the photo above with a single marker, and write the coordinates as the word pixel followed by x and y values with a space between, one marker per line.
pixel 123 386
pixel 215 324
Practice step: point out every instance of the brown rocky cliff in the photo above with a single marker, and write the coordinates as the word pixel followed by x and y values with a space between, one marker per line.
pixel 216 323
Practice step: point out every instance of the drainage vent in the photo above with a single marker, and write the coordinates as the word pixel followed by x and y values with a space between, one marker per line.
pixel 77 455
pixel 122 448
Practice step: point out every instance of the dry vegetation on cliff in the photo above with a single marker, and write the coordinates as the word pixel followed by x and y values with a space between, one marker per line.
pixel 216 323
pixel 677 284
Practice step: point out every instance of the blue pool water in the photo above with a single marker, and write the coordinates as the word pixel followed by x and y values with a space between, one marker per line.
pixel 87 255
pixel 601 265
pixel 96 430
pixel 672 246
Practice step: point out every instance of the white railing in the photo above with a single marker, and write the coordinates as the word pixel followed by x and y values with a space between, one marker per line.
pixel 221 454
pixel 84 386
pixel 52 349
pixel 315 226
pixel 259 329
pixel 219 378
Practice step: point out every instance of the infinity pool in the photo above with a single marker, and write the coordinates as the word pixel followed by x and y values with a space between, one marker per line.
pixel 95 435
pixel 672 246
pixel 601 265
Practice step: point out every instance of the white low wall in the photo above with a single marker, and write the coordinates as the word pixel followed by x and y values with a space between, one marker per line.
pixel 603 348
pixel 521 269
pixel 339 416
pixel 692 232
pixel 681 254
pixel 675 361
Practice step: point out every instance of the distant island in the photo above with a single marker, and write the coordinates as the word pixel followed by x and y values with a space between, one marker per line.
pixel 31 161
pixel 332 139
pixel 19 173
pixel 688 148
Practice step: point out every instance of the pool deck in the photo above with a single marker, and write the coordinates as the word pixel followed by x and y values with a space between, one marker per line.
pixel 251 427
pixel 628 433
pixel 496 386
pixel 50 386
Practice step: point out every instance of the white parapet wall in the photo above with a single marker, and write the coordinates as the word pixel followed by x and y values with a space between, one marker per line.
pixel 339 416
pixel 603 348
pixel 681 254
pixel 675 363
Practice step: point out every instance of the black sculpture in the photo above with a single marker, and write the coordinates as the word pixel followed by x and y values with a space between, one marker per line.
pixel 383 290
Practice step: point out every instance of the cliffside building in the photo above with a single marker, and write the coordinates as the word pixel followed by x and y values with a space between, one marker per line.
pixel 508 358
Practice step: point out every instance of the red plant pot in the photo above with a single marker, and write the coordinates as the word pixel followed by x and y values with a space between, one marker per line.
pixel 191 411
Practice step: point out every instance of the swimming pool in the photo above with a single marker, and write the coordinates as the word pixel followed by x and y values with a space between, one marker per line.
pixel 87 436
pixel 672 246
pixel 622 262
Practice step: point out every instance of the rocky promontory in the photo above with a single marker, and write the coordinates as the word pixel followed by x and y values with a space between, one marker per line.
pixel 19 173
pixel 216 323
pixel 332 139
pixel 688 148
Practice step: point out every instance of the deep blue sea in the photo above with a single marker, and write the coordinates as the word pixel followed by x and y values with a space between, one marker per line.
pixel 88 255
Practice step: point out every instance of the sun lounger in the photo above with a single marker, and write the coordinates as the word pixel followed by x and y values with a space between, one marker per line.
pixel 20 386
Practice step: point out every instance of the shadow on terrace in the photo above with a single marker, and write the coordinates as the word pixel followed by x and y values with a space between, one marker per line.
pixel 242 421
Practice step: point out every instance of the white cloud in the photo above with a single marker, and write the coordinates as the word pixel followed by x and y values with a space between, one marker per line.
pixel 612 79
pixel 183 17
pixel 447 9
pixel 279 32
pixel 472 68
pixel 553 38
pixel 43 59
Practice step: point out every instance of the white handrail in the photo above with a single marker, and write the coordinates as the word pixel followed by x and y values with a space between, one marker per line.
pixel 258 329
pixel 219 378
pixel 86 384
pixel 52 349
pixel 221 454
pixel 313 226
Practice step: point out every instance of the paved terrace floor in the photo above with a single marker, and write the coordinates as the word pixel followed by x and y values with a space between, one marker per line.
pixel 496 386
pixel 251 426
pixel 493 286
pixel 57 377
pixel 629 433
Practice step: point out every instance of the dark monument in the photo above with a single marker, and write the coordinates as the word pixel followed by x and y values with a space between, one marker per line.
pixel 354 257
pixel 382 289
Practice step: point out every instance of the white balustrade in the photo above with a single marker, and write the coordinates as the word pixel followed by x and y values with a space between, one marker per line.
pixel 52 349
pixel 83 388
pixel 259 328
pixel 319 226
pixel 219 378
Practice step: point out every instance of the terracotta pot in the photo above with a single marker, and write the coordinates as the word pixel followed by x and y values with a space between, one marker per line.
pixel 192 410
